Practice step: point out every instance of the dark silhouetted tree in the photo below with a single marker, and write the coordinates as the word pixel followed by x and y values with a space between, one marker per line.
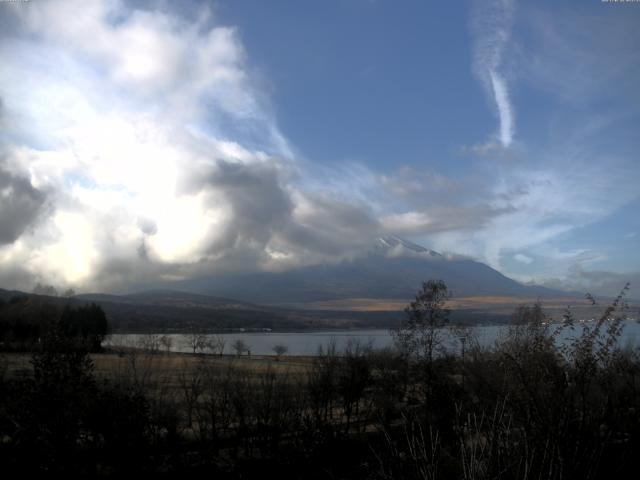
pixel 279 350
pixel 239 346
pixel 420 333
pixel 86 324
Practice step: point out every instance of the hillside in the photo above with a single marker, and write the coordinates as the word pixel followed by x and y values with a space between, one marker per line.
pixel 394 269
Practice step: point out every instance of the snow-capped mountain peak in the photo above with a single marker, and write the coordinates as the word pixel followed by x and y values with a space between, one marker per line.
pixel 394 246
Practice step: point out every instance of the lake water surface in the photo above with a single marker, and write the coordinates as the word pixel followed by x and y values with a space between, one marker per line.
pixel 308 343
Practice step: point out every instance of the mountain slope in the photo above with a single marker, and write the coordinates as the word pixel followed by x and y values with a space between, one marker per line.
pixel 394 269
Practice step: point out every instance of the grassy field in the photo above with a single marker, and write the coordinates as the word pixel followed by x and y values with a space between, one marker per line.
pixel 166 365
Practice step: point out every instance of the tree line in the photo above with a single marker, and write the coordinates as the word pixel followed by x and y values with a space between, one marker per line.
pixel 26 321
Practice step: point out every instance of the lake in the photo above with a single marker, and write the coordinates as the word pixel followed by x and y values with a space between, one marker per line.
pixel 307 343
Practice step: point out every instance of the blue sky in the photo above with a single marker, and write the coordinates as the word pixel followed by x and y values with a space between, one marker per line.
pixel 367 81
pixel 156 139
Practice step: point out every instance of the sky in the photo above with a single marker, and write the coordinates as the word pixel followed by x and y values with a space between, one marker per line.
pixel 165 140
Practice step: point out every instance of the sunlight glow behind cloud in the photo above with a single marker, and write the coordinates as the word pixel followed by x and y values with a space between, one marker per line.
pixel 121 127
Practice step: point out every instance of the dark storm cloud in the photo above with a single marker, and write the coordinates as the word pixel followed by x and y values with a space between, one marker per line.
pixel 20 204
pixel 266 213
pixel 333 226
pixel 256 201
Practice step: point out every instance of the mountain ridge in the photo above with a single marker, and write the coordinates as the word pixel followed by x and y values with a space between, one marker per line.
pixel 394 269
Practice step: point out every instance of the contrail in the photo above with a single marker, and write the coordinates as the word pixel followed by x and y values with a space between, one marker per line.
pixel 504 107
pixel 491 27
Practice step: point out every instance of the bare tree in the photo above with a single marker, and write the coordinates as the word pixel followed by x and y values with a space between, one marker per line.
pixel 196 340
pixel 280 349
pixel 322 382
pixel 149 342
pixel 217 344
pixel 140 362
pixel 166 341
pixel 190 381
pixel 240 347
pixel 420 334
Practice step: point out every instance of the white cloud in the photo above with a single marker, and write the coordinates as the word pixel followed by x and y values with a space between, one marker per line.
pixel 597 281
pixel 535 205
pixel 154 150
pixel 408 223
pixel 519 257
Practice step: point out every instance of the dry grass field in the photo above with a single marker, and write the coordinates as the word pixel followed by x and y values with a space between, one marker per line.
pixel 167 368
pixel 488 303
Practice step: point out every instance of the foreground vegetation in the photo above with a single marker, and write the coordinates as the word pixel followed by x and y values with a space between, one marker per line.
pixel 526 408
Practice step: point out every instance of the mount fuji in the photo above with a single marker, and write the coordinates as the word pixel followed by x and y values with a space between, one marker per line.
pixel 393 269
